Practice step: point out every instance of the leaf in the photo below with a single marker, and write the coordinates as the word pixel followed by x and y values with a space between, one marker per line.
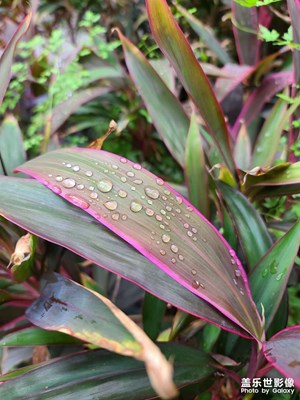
pixel 272 84
pixel 146 212
pixel 8 55
pixel 252 231
pixel 172 42
pixel 90 373
pixel 294 11
pixel 68 307
pixel 153 312
pixel 268 139
pixel 164 108
pixel 195 170
pixel 269 279
pixel 43 213
pixel 206 35
pixel 37 337
pixel 242 149
pixel 279 180
pixel 283 352
pixel 234 76
pixel 12 150
pixel 62 111
pixel 245 29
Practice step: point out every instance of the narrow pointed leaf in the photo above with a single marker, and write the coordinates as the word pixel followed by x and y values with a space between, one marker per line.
pixel 164 108
pixel 6 59
pixel 91 374
pixel 242 149
pixel 68 307
pixel 245 29
pixel 268 140
pixel 195 169
pixel 156 220
pixel 172 42
pixel 269 279
pixel 206 35
pixel 272 84
pixel 153 312
pixel 234 76
pixel 294 10
pixel 49 216
pixel 11 145
pixel 253 232
pixel 37 337
pixel 283 352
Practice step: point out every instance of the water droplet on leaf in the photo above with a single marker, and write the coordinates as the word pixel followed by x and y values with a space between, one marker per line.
pixel 122 193
pixel 152 192
pixel 59 178
pixel 149 212
pixel 135 206
pixel 68 183
pixel 76 168
pixel 111 205
pixel 105 185
pixel 174 248
pixel 89 173
pixel 195 284
pixel 165 238
pixel 159 181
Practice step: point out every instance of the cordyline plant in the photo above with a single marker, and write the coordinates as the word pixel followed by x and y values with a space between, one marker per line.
pixel 104 207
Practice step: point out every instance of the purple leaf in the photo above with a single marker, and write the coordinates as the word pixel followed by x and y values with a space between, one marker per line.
pixel 283 352
pixel 8 54
pixel 157 221
pixel 271 85
pixel 174 45
pixel 245 28
pixel 236 74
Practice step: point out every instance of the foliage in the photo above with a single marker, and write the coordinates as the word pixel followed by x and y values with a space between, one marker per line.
pixel 210 260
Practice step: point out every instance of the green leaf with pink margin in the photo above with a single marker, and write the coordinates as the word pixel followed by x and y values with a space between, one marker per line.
pixel 283 352
pixel 164 108
pixel 40 211
pixel 272 84
pixel 147 213
pixel 268 139
pixel 62 111
pixel 195 169
pixel 174 45
pixel 6 59
pixel 269 278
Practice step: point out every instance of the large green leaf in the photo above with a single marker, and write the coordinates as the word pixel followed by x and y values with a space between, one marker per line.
pixel 91 374
pixel 8 55
pixel 51 217
pixel 252 230
pixel 269 279
pixel 172 42
pixel 11 145
pixel 68 307
pixel 283 352
pixel 164 108
pixel 147 213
